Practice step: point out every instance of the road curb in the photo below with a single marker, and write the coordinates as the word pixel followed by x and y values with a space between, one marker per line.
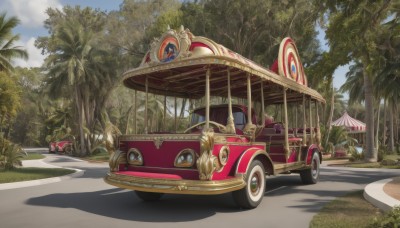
pixel 23 184
pixel 374 194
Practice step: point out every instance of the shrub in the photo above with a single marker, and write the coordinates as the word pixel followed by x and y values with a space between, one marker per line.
pixel 355 156
pixel 382 152
pixel 389 220
pixel 10 155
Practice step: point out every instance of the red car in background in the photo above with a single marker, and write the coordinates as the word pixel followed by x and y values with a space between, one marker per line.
pixel 63 146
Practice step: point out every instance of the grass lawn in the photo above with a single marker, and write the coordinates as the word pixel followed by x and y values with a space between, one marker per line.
pixel 351 210
pixel 25 174
pixel 33 156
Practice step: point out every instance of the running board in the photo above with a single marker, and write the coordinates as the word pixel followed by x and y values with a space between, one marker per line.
pixel 285 167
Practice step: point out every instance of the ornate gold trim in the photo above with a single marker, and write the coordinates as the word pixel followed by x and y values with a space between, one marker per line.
pixel 229 62
pixel 175 186
pixel 207 162
pixel 117 158
pixel 258 152
pixel 160 137
pixel 158 142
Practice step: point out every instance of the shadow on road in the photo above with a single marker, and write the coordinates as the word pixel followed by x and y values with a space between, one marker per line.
pixel 122 204
pixel 125 205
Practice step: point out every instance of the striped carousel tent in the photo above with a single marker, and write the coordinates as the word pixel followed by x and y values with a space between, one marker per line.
pixel 351 124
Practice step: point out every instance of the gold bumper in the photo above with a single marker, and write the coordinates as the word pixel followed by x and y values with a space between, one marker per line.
pixel 175 186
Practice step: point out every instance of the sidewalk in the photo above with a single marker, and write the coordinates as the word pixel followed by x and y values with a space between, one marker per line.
pixel 384 194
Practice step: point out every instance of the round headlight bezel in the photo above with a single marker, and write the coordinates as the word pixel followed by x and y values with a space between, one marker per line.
pixel 186 158
pixel 223 155
pixel 134 157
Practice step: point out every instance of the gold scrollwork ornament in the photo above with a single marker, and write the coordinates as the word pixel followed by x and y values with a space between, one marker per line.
pixel 207 162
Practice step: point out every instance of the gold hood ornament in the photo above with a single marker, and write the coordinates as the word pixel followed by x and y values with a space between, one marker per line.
pixel 207 162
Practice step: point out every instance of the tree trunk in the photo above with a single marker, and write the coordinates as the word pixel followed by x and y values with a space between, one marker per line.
pixel 384 123
pixel 329 122
pixel 79 106
pixel 391 127
pixel 377 126
pixel 395 124
pixel 370 152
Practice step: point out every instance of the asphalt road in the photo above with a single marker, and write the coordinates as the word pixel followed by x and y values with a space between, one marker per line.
pixel 89 202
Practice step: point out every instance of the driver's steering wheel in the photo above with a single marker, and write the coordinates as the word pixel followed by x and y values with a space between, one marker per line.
pixel 221 127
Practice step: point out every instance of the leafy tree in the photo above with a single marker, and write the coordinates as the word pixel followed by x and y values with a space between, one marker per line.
pixel 7 49
pixel 352 28
pixel 9 101
pixel 76 66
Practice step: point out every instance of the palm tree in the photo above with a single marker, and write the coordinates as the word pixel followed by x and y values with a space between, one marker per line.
pixel 354 83
pixel 79 69
pixel 7 49
pixel 388 81
pixel 71 69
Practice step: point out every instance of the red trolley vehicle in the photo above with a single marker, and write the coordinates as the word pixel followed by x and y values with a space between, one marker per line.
pixel 62 146
pixel 230 145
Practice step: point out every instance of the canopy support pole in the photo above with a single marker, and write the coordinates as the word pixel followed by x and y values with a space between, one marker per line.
pixel 285 107
pixel 230 126
pixel 250 128
pixel 318 137
pixel 304 121
pixel 175 116
pixel 165 114
pixel 146 107
pixel 207 99
pixel 134 113
pixel 249 99
pixel 262 104
pixel 311 122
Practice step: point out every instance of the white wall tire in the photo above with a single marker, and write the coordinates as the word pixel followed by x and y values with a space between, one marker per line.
pixel 251 196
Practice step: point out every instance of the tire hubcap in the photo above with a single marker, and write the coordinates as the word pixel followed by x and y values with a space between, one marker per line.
pixel 255 183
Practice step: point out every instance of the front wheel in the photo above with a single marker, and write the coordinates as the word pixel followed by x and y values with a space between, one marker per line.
pixel 148 196
pixel 251 196
pixel 68 149
pixel 311 175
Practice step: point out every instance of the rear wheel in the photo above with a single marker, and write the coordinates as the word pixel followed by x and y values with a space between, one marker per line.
pixel 251 196
pixel 68 149
pixel 149 196
pixel 311 175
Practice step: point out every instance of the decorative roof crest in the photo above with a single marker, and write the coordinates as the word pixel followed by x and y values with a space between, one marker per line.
pixel 172 45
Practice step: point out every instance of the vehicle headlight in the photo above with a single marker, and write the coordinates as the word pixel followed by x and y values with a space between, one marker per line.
pixel 223 155
pixel 185 158
pixel 134 157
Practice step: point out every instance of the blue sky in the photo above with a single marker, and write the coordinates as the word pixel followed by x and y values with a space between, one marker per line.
pixel 32 14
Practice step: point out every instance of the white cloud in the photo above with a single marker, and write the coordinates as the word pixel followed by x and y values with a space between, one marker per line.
pixel 32 13
pixel 35 59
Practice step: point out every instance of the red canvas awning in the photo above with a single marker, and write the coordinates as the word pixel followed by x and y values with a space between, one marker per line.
pixel 351 124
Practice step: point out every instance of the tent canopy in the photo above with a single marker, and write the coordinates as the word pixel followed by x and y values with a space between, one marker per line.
pixel 351 124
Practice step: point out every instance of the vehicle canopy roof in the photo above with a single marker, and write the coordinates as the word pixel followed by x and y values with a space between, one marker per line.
pixel 177 63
